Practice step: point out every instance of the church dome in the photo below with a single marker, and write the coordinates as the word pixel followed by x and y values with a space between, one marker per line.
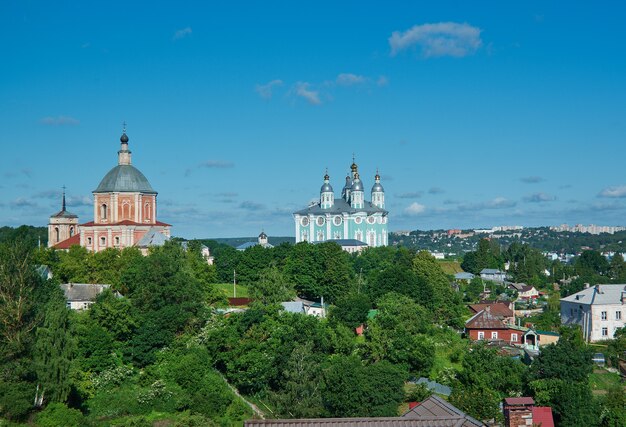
pixel 357 185
pixel 124 178
pixel 377 188
pixel 326 188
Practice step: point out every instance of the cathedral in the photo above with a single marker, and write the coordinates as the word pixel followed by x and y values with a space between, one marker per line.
pixel 348 217
pixel 124 211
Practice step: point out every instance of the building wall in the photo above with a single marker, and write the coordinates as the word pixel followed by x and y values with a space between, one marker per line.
pixel 370 229
pixel 67 227
pixel 590 318
pixel 506 335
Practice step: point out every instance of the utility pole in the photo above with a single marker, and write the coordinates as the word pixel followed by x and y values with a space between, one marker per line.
pixel 234 284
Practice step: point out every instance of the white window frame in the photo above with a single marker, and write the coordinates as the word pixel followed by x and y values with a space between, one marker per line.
pixel 481 335
pixel 605 332
pixel 618 315
pixel 604 315
pixel 494 335
pixel 513 337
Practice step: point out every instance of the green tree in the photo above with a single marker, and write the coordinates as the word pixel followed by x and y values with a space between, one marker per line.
pixel 54 351
pixel 271 287
pixel 482 403
pixel 59 415
pixel 487 255
pixel 351 309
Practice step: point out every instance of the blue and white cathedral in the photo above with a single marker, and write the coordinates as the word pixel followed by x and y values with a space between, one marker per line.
pixel 350 217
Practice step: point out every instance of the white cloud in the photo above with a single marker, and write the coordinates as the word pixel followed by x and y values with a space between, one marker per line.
pixel 438 39
pixel 497 203
pixel 415 209
pixel 348 79
pixel 182 33
pixel 539 198
pixel 265 91
pixel 614 192
pixel 312 96
pixel 59 121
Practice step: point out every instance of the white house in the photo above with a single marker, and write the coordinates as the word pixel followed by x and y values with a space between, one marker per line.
pixel 599 310
pixel 80 296
pixel 493 274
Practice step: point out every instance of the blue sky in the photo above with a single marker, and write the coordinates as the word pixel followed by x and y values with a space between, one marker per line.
pixel 476 114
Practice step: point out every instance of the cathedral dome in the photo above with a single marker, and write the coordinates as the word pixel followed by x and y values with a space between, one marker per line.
pixel 326 188
pixel 377 188
pixel 124 178
pixel 357 185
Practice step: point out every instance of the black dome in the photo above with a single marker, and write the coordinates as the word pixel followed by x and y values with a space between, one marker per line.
pixel 124 138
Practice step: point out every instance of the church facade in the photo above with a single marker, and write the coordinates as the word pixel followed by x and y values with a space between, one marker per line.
pixel 124 210
pixel 348 217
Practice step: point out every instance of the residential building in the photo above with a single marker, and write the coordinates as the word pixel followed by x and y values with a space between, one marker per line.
pixel 124 207
pixel 497 309
pixel 599 310
pixel 433 411
pixel 80 296
pixel 493 275
pixel 522 412
pixel 527 292
pixel 348 217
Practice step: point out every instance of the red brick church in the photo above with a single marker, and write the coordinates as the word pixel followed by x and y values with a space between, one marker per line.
pixel 124 212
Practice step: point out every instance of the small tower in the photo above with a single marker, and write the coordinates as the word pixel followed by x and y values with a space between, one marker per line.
pixel 62 225
pixel 356 192
pixel 345 193
pixel 263 239
pixel 378 193
pixel 124 155
pixel 327 195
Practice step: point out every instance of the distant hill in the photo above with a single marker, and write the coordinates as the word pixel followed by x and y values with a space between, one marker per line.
pixel 236 241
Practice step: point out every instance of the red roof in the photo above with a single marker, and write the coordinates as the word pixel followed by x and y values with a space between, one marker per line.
pixel 519 401
pixel 127 222
pixel 485 320
pixel 542 416
pixel 497 309
pixel 67 243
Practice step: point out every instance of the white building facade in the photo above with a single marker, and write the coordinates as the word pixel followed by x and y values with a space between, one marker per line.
pixel 599 310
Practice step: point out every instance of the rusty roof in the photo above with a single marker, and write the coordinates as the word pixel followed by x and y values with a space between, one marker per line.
pixel 496 308
pixel 485 320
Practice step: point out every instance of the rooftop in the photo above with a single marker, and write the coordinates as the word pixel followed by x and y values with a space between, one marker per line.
pixel 598 294
pixel 82 291
pixel 340 206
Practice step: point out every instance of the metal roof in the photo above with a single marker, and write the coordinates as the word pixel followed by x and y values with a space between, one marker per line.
pixel 124 178
pixel 341 206
pixel 82 291
pixel 598 294
pixel 153 237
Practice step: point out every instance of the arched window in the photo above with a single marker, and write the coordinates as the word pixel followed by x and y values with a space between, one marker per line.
pixel 103 211
pixel 117 240
pixel 103 241
pixel 56 233
pixel 71 231
pixel 146 211
pixel 125 210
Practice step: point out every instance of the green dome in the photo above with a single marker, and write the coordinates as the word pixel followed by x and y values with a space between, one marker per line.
pixel 124 178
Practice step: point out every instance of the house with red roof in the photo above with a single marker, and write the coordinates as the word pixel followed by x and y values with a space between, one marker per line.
pixel 521 411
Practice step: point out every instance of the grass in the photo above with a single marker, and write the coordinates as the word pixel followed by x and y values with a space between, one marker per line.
pixel 602 380
pixel 450 267
pixel 449 347
pixel 227 288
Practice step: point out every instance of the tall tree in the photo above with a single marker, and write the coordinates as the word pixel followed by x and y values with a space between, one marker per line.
pixel 54 350
pixel 271 287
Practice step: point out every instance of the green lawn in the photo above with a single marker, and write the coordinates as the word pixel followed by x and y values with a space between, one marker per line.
pixel 227 288
pixel 601 380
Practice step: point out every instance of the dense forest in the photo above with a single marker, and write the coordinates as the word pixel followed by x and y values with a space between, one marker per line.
pixel 158 348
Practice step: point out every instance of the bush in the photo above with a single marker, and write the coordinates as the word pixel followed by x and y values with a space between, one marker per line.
pixel 59 415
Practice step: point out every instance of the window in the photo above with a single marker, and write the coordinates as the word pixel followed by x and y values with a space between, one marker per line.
pixel 358 219
pixel 605 332
pixel 481 335
pixel 304 221
pixel 147 211
pixel 513 337
pixel 103 241
pixel 103 211
pixel 337 220
pixel 56 233
pixel 117 240
pixel 618 315
pixel 494 335
pixel 603 315
pixel 71 231
pixel 89 240
pixel 320 220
